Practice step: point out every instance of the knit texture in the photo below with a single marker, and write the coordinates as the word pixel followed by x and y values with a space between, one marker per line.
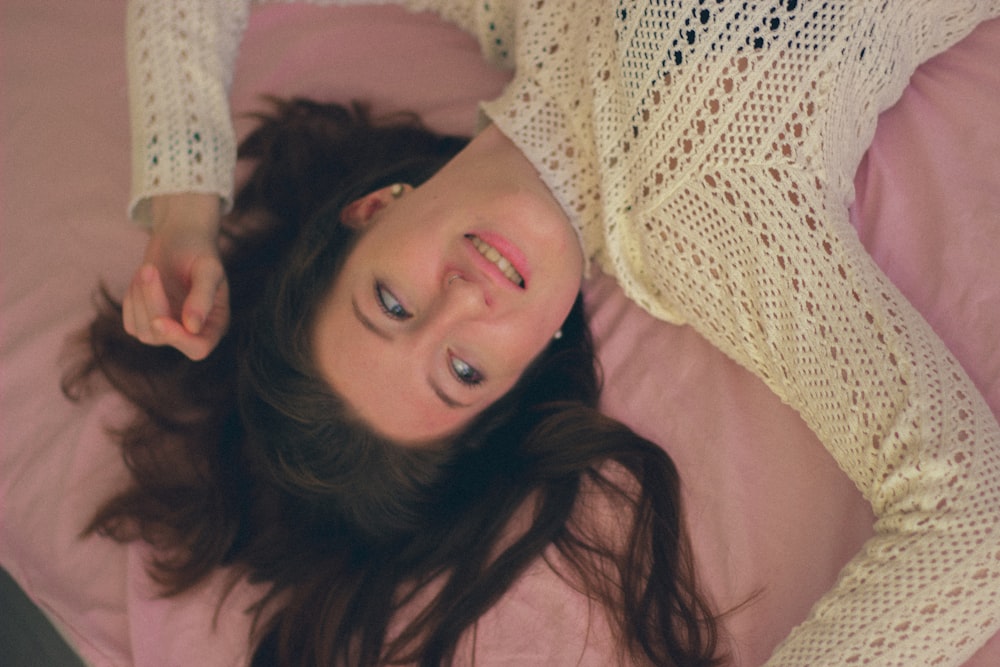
pixel 705 151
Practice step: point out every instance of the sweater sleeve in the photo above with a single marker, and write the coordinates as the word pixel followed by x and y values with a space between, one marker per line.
pixel 181 57
pixel 761 258
pixel 180 66
pixel 759 255
pixel 794 297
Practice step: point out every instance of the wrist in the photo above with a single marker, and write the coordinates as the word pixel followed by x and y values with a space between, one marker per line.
pixel 186 213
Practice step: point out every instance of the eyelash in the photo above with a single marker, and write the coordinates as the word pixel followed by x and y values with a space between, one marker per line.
pixel 394 310
pixel 390 305
pixel 468 376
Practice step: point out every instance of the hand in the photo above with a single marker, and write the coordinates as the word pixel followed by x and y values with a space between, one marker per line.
pixel 179 296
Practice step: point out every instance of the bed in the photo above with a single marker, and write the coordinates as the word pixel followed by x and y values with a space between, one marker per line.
pixel 767 507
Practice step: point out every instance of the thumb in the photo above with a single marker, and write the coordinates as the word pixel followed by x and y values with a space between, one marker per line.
pixel 207 275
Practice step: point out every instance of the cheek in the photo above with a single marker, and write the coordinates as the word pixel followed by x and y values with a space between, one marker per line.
pixel 408 256
pixel 539 327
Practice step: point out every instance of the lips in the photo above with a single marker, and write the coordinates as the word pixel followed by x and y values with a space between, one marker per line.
pixel 506 257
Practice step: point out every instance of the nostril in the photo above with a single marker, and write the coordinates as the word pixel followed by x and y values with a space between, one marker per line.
pixel 457 281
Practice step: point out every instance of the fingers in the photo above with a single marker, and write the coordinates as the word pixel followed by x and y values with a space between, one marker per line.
pixel 145 301
pixel 207 276
pixel 179 296
pixel 171 332
pixel 146 314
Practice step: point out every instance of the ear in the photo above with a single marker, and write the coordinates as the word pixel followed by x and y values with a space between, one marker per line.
pixel 360 212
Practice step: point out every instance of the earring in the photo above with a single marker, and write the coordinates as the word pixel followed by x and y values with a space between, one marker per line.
pixel 557 335
pixel 396 190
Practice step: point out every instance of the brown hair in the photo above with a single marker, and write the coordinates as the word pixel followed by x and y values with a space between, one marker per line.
pixel 249 459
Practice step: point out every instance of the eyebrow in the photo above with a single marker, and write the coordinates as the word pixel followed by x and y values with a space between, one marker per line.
pixel 384 335
pixel 367 323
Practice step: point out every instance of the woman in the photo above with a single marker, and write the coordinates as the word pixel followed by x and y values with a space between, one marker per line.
pixel 254 456
pixel 703 152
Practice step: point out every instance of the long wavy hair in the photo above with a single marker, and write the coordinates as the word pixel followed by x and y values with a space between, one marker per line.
pixel 248 459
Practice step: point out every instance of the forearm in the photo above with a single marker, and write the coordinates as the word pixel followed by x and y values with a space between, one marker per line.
pixel 187 213
pixel 181 58
pixel 795 298
pixel 180 65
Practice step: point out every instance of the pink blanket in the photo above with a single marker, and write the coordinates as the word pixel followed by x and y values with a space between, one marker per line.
pixel 768 508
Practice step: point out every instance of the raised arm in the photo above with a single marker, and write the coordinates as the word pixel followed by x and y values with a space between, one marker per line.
pixel 180 63
pixel 181 55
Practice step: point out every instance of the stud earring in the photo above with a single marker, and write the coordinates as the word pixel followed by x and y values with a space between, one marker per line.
pixel 396 190
pixel 557 335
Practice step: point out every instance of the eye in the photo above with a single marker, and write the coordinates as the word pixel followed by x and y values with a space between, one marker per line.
pixel 389 304
pixel 465 373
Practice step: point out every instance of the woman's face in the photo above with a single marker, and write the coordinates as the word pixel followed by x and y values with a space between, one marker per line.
pixel 451 291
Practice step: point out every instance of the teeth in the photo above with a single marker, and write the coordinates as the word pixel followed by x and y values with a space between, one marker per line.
pixel 492 254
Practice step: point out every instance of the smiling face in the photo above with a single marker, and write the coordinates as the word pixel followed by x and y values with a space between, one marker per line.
pixel 450 293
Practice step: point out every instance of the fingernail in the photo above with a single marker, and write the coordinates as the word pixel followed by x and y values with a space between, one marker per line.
pixel 193 323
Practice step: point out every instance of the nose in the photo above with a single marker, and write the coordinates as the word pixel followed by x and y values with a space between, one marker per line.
pixel 460 305
pixel 459 301
pixel 464 295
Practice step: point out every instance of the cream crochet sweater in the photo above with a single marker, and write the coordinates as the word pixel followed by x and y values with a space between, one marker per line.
pixel 705 149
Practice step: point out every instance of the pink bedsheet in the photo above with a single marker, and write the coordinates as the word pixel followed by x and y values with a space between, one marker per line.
pixel 768 508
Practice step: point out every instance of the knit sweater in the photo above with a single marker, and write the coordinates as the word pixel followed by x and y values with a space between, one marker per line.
pixel 705 152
